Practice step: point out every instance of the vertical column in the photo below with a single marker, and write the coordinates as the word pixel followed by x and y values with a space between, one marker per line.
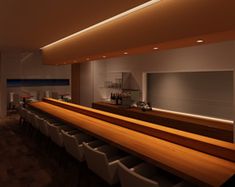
pixel 86 83
pixel 233 60
pixel 144 86
pixel 3 97
pixel 234 105
pixel 75 83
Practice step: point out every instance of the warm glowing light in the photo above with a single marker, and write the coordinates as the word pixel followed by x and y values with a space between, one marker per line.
pixel 155 48
pixel 200 41
pixel 194 115
pixel 125 53
pixel 104 56
pixel 149 3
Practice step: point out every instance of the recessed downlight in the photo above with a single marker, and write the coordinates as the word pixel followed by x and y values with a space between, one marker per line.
pixel 155 48
pixel 200 41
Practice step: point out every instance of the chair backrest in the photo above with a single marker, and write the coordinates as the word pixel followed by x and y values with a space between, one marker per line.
pixel 81 137
pixel 97 162
pixel 72 145
pixel 128 177
pixel 44 127
pixel 28 116
pixel 40 122
pixel 55 134
pixel 22 112
pixel 35 121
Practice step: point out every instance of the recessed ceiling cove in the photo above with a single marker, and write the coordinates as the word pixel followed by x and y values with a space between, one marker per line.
pixel 158 23
pixel 29 25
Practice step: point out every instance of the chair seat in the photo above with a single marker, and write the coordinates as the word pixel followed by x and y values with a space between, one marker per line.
pixel 144 174
pixel 73 142
pixel 103 160
pixel 55 134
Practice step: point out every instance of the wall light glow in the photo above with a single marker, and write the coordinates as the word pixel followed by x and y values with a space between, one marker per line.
pixel 149 3
pixel 194 115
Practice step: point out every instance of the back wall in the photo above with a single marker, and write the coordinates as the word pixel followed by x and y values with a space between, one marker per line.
pixel 211 57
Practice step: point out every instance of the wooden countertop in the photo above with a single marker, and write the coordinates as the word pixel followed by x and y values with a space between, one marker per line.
pixel 225 125
pixel 219 129
pixel 200 168
pixel 201 143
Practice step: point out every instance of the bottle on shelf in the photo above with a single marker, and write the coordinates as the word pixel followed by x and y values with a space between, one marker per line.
pixel 112 97
pixel 116 98
pixel 120 99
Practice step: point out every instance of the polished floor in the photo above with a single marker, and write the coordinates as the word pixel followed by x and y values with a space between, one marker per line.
pixel 28 160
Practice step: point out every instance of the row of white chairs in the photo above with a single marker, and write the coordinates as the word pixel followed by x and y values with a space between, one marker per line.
pixel 108 162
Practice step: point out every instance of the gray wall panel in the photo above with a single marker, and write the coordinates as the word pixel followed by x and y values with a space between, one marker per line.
pixel 202 93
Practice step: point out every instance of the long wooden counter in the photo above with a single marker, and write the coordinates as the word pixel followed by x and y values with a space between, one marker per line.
pixel 222 130
pixel 201 143
pixel 194 166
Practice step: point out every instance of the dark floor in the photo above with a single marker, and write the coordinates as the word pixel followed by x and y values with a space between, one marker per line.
pixel 26 160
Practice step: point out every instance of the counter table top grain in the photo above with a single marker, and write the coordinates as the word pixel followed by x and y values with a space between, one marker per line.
pixel 225 150
pixel 214 128
pixel 192 165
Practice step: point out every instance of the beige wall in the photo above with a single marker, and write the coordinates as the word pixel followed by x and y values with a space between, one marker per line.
pixel 75 82
pixel 219 56
pixel 234 92
pixel 86 83
pixel 28 65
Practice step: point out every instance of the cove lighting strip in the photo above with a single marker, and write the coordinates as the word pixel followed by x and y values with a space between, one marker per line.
pixel 194 115
pixel 149 3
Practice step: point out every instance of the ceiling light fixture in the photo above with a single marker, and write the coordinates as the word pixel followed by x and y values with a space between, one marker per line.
pixel 155 48
pixel 149 3
pixel 125 53
pixel 200 41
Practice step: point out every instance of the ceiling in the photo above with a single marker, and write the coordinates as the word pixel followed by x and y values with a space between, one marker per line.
pixel 29 25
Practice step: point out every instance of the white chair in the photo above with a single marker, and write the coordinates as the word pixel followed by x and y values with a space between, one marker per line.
pixel 29 117
pixel 55 133
pixel 146 175
pixel 56 136
pixel 36 121
pixel 44 128
pixel 73 142
pixel 41 120
pixel 103 160
pixel 23 114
